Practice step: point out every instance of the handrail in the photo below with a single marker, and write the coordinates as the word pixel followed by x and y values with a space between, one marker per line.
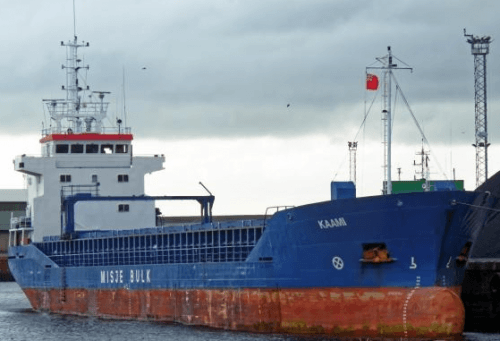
pixel 278 208
pixel 103 130
pixel 70 190
pixel 93 154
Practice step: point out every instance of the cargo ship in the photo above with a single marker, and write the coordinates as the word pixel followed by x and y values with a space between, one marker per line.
pixel 92 243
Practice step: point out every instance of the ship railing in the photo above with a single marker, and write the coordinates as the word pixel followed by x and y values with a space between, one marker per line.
pixel 274 209
pixel 149 155
pixel 65 108
pixel 20 231
pixel 79 189
pixel 116 130
pixel 103 130
pixel 153 246
pixel 248 223
pixel 28 155
pixel 19 222
pixel 215 224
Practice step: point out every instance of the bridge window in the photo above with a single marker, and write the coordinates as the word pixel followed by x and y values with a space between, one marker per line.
pixel 121 149
pixel 62 148
pixel 122 177
pixel 92 148
pixel 64 178
pixel 123 208
pixel 94 178
pixel 107 149
pixel 76 148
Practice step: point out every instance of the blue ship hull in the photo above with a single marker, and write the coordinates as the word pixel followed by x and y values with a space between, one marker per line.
pixel 317 249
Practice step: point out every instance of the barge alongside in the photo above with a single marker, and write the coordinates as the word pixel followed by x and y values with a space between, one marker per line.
pixel 389 265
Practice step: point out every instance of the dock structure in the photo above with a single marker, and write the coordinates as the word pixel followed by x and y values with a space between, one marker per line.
pixel 12 203
pixel 481 294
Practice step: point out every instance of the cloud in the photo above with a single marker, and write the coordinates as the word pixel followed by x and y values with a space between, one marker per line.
pixel 257 99
pixel 230 68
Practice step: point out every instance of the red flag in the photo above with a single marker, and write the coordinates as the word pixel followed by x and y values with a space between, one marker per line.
pixel 371 82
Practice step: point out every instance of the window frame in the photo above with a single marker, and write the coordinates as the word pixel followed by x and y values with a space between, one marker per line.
pixel 122 177
pixel 64 178
pixel 60 147
pixel 122 208
pixel 77 148
pixel 105 146
pixel 121 149
pixel 92 148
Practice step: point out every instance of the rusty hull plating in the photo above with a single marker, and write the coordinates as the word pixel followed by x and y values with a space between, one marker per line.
pixel 417 312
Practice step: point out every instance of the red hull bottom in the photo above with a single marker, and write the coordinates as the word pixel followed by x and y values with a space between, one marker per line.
pixel 388 312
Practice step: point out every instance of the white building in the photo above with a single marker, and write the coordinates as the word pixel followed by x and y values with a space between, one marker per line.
pixel 12 203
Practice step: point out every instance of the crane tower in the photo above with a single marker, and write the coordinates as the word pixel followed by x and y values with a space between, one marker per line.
pixel 480 47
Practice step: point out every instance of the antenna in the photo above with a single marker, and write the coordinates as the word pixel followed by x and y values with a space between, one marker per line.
pixel 352 160
pixel 124 98
pixel 74 20
pixel 424 163
pixel 480 47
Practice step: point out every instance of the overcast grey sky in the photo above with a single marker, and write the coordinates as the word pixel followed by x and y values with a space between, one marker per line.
pixel 229 67
pixel 226 69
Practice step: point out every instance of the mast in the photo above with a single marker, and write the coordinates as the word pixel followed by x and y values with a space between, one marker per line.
pixel 387 67
pixel 387 84
pixel 353 146
pixel 78 112
pixel 388 122
pixel 424 166
pixel 73 66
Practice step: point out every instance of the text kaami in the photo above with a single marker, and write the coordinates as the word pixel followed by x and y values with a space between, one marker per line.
pixel 331 223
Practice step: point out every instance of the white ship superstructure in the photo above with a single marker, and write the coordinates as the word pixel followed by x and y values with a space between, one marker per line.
pixel 80 155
